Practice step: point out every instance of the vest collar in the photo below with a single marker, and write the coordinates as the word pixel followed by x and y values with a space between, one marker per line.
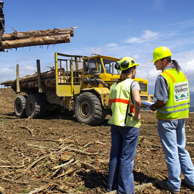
pixel 169 67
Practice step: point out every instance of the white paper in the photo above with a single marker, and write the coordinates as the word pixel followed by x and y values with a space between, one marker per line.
pixel 147 103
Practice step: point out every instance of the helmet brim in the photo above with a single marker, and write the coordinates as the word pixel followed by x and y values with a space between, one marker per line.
pixel 135 65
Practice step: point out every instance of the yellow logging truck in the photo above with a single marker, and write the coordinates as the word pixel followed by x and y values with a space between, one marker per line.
pixel 76 84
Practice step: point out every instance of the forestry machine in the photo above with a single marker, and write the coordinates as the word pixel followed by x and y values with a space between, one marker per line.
pixel 77 85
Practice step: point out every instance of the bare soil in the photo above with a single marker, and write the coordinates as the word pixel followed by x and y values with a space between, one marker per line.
pixel 57 154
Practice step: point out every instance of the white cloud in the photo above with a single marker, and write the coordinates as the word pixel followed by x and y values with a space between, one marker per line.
pixel 7 74
pixel 186 61
pixel 27 70
pixel 148 73
pixel 111 45
pixel 184 24
pixel 137 56
pixel 5 70
pixel 146 37
pixel 189 67
pixel 133 40
pixel 95 50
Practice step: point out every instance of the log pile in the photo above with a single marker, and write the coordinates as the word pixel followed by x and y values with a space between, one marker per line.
pixel 31 81
pixel 47 79
pixel 35 38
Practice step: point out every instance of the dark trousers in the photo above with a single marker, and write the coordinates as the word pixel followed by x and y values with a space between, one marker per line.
pixel 123 150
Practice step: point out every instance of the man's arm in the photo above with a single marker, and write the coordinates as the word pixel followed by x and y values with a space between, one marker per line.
pixel 161 93
pixel 137 103
pixel 157 104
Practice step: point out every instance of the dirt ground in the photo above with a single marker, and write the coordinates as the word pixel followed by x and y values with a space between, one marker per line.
pixel 59 155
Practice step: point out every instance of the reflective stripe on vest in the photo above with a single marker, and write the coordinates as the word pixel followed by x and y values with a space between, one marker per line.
pixel 121 104
pixel 119 100
pixel 177 106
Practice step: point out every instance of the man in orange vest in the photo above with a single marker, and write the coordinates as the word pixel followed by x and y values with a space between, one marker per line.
pixel 172 105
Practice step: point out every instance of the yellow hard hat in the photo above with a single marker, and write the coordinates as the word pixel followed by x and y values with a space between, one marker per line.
pixel 160 53
pixel 126 63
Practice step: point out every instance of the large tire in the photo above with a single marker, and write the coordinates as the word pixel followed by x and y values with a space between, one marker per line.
pixel 88 109
pixel 19 106
pixel 35 106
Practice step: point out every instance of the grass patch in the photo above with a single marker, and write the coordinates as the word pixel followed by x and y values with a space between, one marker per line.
pixel 3 120
pixel 82 189
pixel 26 191
pixel 68 179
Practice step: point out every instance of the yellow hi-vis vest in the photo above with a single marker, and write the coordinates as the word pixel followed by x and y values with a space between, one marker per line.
pixel 121 105
pixel 177 106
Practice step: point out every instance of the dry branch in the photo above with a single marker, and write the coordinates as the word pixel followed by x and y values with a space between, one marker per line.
pixel 36 146
pixel 69 171
pixel 12 166
pixel 2 190
pixel 30 130
pixel 137 187
pixel 43 140
pixel 4 161
pixel 56 172
pixel 143 186
pixel 95 142
pixel 190 143
pixel 37 190
pixel 66 139
pixel 81 152
pixel 64 165
pixel 34 163
pixel 12 181
pixel 87 165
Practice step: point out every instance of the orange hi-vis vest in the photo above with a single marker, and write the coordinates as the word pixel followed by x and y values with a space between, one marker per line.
pixel 177 106
pixel 122 105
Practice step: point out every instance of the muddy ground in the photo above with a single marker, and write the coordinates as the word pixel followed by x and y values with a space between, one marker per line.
pixel 59 155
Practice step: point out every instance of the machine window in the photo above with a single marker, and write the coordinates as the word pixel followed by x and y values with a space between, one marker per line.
pixel 110 67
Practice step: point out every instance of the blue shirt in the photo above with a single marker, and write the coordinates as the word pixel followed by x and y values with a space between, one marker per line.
pixel 161 87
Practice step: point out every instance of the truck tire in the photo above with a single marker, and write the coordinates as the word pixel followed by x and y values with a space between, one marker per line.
pixel 88 109
pixel 35 106
pixel 19 106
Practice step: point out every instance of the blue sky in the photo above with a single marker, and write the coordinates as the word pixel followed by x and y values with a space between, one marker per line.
pixel 107 27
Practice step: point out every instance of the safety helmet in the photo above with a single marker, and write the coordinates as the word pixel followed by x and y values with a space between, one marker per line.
pixel 160 53
pixel 125 63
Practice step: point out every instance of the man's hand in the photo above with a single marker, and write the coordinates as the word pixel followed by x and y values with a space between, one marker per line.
pixel 136 116
pixel 152 107
pixel 157 104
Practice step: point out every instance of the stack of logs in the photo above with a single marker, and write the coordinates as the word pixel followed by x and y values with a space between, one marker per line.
pixel 31 81
pixel 47 79
pixel 34 38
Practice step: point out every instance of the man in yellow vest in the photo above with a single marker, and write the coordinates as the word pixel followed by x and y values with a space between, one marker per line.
pixel 125 103
pixel 172 105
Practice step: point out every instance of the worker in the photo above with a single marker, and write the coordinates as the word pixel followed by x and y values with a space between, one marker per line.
pixel 125 103
pixel 172 105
